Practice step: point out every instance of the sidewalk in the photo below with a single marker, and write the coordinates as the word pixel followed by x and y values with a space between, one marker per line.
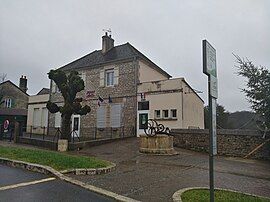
pixel 156 178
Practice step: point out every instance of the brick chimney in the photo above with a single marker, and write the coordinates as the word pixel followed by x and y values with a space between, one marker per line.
pixel 107 43
pixel 23 83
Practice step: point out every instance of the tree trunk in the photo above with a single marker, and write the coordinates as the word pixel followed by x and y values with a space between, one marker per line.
pixel 66 129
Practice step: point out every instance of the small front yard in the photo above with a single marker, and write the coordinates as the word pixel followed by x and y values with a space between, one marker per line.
pixel 56 160
pixel 202 195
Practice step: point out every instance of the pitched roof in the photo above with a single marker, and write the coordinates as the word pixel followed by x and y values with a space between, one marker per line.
pixel 122 52
pixel 44 91
pixel 8 81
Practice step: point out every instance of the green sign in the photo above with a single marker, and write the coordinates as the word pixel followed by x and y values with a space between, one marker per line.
pixel 209 59
pixel 210 67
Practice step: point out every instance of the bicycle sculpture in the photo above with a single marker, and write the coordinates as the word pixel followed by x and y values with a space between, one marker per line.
pixel 153 128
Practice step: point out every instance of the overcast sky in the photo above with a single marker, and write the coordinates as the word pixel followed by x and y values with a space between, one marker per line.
pixel 36 36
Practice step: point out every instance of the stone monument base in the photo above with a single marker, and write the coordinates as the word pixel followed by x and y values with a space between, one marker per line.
pixel 159 144
pixel 62 145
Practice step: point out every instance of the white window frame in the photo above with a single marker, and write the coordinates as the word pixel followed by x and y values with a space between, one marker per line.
pixel 107 73
pixel 163 114
pixel 173 117
pixel 83 77
pixel 155 114
pixel 8 102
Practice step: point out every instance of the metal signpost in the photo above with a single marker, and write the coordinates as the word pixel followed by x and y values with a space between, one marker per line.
pixel 210 69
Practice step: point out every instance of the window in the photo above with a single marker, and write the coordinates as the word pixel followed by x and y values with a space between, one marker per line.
pixel 44 117
pixel 57 120
pixel 8 103
pixel 115 114
pixel 173 113
pixel 83 76
pixel 143 105
pixel 157 114
pixel 165 113
pixel 55 89
pixel 101 116
pixel 109 77
pixel 143 120
pixel 36 117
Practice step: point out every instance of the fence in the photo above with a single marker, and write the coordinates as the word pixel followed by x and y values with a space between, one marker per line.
pixel 83 134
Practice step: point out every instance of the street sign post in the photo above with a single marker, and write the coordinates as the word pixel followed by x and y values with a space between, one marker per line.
pixel 210 69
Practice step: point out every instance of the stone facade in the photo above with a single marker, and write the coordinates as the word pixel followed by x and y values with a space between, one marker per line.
pixel 19 100
pixel 9 90
pixel 123 93
pixel 236 143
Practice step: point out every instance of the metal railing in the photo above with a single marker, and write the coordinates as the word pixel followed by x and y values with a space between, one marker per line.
pixel 83 134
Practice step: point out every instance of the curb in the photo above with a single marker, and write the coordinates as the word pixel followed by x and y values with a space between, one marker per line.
pixel 90 171
pixel 177 195
pixel 48 170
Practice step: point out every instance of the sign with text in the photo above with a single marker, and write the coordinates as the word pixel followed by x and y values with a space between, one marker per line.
pixel 209 59
pixel 210 69
pixel 90 94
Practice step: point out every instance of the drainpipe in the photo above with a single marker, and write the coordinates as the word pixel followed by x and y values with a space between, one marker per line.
pixel 136 68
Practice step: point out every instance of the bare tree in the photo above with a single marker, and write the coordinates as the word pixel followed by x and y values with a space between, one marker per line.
pixel 3 77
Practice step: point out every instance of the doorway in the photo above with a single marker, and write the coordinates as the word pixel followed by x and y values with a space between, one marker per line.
pixel 76 122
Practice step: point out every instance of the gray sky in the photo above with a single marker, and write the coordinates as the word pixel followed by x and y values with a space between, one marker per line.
pixel 36 36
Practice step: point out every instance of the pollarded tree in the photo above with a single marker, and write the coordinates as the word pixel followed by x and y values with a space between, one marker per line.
pixel 69 85
pixel 257 88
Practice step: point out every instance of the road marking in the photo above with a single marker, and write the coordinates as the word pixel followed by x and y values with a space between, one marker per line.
pixel 26 183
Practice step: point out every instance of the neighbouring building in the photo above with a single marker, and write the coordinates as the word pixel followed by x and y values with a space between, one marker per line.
pixel 37 117
pixel 14 102
pixel 115 78
pixel 171 102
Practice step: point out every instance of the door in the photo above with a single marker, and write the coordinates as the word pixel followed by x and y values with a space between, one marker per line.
pixel 142 122
pixel 76 121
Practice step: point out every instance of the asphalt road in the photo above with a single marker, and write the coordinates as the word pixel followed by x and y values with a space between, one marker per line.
pixel 21 185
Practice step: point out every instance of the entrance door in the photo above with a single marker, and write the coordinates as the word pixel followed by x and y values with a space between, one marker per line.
pixel 142 122
pixel 76 121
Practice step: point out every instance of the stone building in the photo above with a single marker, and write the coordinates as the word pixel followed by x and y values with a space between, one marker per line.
pixel 14 102
pixel 37 117
pixel 112 77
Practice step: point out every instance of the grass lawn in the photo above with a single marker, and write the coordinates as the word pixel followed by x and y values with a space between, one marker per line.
pixel 56 160
pixel 202 195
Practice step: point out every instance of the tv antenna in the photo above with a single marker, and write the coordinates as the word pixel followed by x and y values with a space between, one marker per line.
pixel 107 30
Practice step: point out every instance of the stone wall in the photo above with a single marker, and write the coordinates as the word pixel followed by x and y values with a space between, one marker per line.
pixel 123 93
pixel 236 143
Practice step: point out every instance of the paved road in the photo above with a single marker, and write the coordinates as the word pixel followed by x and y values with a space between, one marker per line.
pixel 156 178
pixel 21 185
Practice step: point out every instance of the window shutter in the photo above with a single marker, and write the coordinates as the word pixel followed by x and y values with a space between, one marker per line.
pixel 116 110
pixel 53 87
pixel 101 117
pixel 116 75
pixel 12 103
pixel 57 119
pixel 101 77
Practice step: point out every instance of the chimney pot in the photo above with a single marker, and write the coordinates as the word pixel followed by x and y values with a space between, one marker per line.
pixel 107 43
pixel 23 83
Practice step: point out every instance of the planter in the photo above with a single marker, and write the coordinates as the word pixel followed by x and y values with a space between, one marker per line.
pixel 159 144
